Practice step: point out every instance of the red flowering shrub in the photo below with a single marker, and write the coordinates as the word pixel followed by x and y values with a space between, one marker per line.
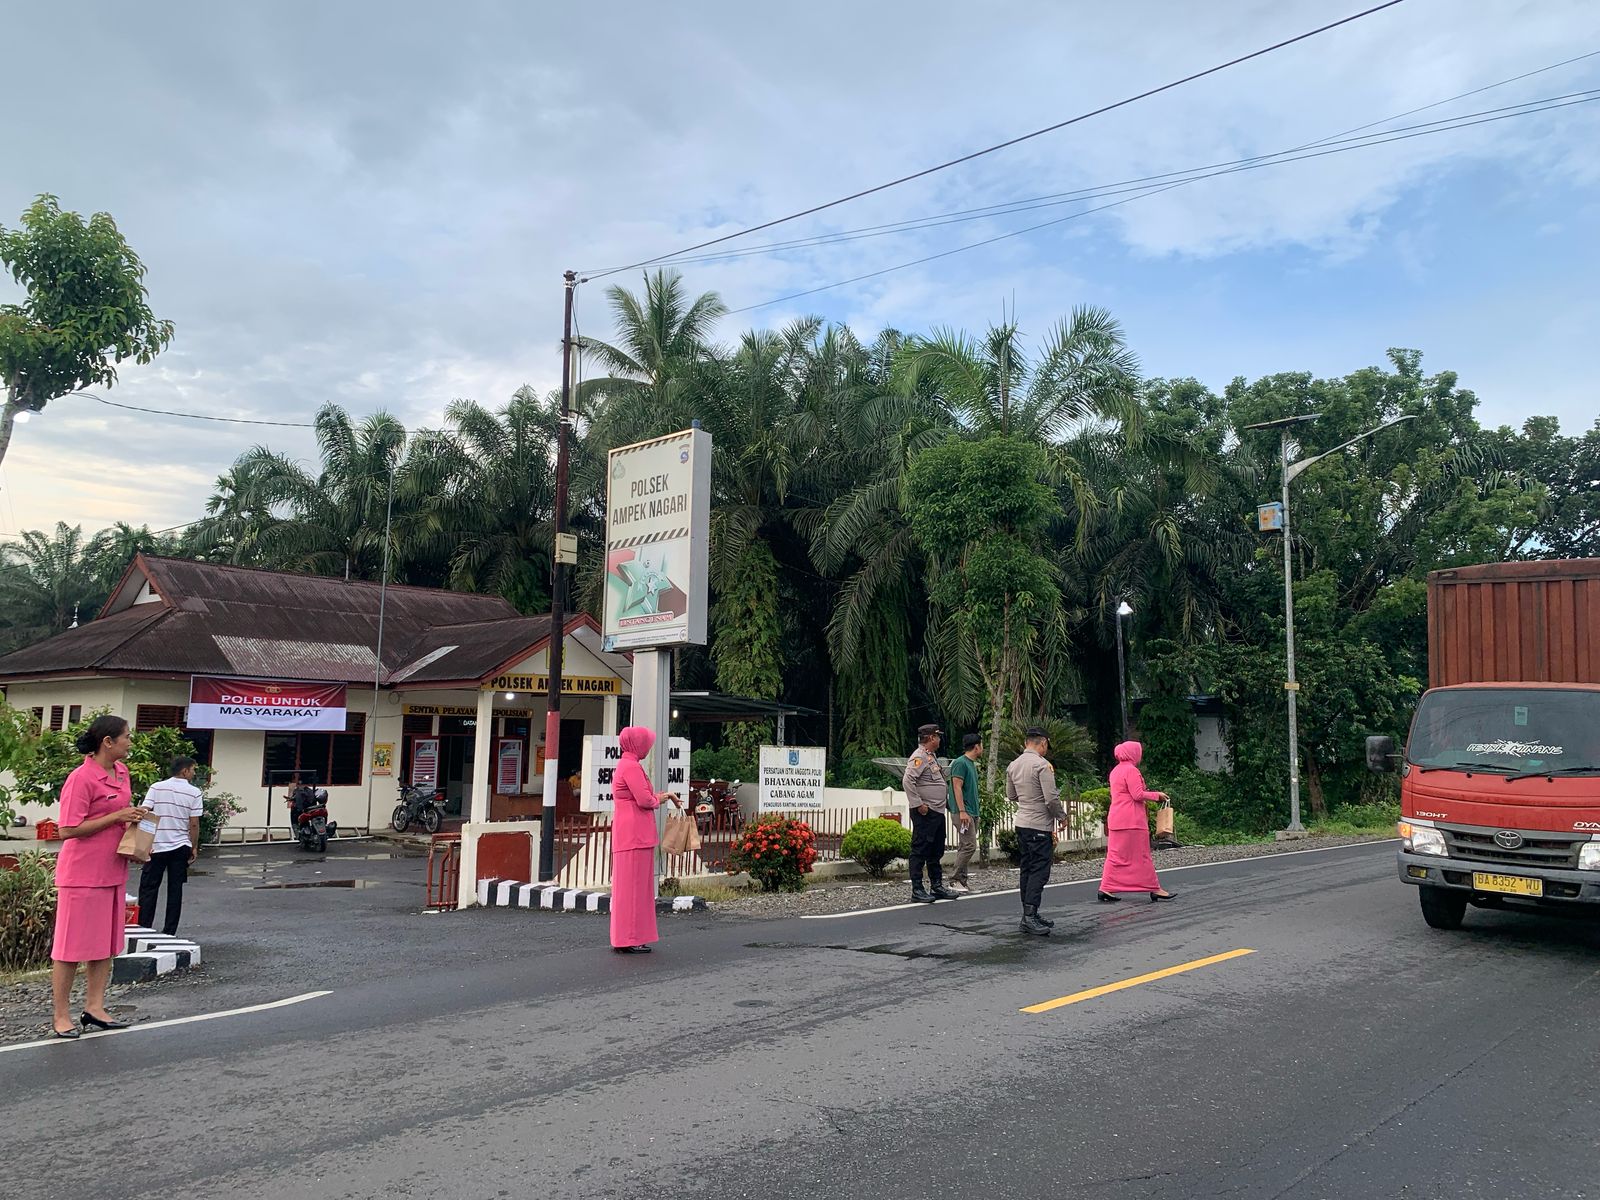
pixel 777 852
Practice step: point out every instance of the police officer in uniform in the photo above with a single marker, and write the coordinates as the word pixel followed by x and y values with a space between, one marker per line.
pixel 1031 786
pixel 926 786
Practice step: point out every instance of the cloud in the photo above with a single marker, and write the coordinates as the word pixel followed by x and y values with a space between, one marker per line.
pixel 377 211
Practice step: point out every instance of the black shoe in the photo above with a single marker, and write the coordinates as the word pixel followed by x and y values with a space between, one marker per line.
pixel 1166 844
pixel 940 892
pixel 66 1035
pixel 1045 921
pixel 921 894
pixel 630 949
pixel 97 1023
pixel 1031 923
pixel 1108 898
pixel 1154 896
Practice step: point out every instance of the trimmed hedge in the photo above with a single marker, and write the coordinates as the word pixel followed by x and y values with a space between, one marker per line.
pixel 875 843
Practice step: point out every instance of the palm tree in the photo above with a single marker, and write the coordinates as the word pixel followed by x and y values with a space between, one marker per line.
pixel 661 338
pixel 493 496
pixel 330 522
pixel 48 582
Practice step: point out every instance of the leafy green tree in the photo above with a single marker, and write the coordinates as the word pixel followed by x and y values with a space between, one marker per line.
pixel 84 310
pixel 979 509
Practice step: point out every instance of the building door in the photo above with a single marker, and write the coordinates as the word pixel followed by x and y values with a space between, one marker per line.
pixel 571 749
pixel 458 745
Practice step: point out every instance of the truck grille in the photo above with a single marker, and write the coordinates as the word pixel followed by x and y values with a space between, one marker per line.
pixel 1537 850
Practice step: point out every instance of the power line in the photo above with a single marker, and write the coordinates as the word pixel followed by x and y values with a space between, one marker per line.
pixel 1001 209
pixel 166 412
pixel 965 158
pixel 1376 140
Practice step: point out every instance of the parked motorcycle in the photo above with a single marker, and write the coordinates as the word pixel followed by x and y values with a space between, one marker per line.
pixel 715 804
pixel 308 817
pixel 420 804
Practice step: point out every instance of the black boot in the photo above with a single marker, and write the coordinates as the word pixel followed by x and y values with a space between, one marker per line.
pixel 1043 920
pixel 921 894
pixel 940 892
pixel 1031 923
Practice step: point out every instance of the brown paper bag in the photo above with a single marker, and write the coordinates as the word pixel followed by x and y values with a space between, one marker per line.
pixel 137 841
pixel 681 835
pixel 1164 821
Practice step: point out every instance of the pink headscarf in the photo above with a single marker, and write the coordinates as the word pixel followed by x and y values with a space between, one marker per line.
pixel 636 740
pixel 1129 752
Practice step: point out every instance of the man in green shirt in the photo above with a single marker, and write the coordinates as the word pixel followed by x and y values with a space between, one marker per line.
pixel 963 807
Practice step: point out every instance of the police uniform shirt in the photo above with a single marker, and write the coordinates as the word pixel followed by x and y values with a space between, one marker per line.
pixel 1031 786
pixel 924 780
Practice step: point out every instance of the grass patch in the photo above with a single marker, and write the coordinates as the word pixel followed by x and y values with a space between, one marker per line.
pixel 1356 820
pixel 28 975
pixel 716 893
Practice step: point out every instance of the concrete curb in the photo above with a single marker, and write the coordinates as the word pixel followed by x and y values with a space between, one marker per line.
pixel 151 954
pixel 551 897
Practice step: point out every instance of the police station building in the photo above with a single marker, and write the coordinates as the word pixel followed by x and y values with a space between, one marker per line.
pixel 275 675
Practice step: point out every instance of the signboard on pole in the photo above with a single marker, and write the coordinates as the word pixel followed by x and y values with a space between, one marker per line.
pixel 508 766
pixel 1269 517
pixel 791 778
pixel 280 705
pixel 600 758
pixel 658 537
pixel 425 762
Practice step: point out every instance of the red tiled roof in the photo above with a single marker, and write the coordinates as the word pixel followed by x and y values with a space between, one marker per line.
pixel 216 619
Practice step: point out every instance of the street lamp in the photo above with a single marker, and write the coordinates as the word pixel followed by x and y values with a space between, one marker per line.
pixel 1291 686
pixel 1124 609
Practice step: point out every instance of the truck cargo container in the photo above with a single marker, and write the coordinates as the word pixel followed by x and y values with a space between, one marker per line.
pixel 1500 777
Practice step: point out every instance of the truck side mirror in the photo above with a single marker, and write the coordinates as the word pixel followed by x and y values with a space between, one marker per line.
pixel 1380 753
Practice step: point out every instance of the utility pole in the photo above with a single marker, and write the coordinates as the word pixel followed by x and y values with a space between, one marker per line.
pixel 558 616
pixel 1291 686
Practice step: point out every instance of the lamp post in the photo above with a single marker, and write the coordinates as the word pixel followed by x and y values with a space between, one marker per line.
pixel 1124 609
pixel 377 654
pixel 1291 686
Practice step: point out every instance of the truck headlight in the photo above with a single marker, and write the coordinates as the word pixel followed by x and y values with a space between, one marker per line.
pixel 1589 857
pixel 1420 839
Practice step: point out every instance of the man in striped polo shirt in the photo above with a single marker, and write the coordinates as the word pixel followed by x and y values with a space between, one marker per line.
pixel 177 806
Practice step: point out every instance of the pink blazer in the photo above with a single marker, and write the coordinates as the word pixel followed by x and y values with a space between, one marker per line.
pixel 633 817
pixel 1128 793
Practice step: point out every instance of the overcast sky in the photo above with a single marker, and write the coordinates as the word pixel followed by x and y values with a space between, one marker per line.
pixel 372 203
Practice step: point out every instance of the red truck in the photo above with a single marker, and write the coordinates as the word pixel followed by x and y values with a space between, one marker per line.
pixel 1500 778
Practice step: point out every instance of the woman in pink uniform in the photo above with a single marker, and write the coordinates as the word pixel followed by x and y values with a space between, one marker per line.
pixel 91 877
pixel 633 846
pixel 1129 866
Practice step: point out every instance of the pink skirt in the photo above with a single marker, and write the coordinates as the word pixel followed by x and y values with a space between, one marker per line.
pixel 633 899
pixel 89 924
pixel 1129 867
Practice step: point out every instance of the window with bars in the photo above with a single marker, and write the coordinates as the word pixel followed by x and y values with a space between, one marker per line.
pixel 320 758
pixel 157 716
pixel 74 714
pixel 172 716
pixel 38 718
pixel 57 713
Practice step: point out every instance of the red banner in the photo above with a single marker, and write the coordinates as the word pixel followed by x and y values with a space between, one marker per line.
pixel 217 702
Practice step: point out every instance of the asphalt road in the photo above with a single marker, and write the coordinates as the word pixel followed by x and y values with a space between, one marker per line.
pixel 1354 1053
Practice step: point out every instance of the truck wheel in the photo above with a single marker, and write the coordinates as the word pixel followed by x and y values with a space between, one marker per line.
pixel 1441 908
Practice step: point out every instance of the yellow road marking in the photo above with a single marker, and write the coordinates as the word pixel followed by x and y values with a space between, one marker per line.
pixel 1107 989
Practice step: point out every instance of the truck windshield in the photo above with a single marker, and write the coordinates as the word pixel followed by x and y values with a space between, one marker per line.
pixel 1508 730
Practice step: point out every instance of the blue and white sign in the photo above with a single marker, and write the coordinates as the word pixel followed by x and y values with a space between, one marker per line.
pixel 792 778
